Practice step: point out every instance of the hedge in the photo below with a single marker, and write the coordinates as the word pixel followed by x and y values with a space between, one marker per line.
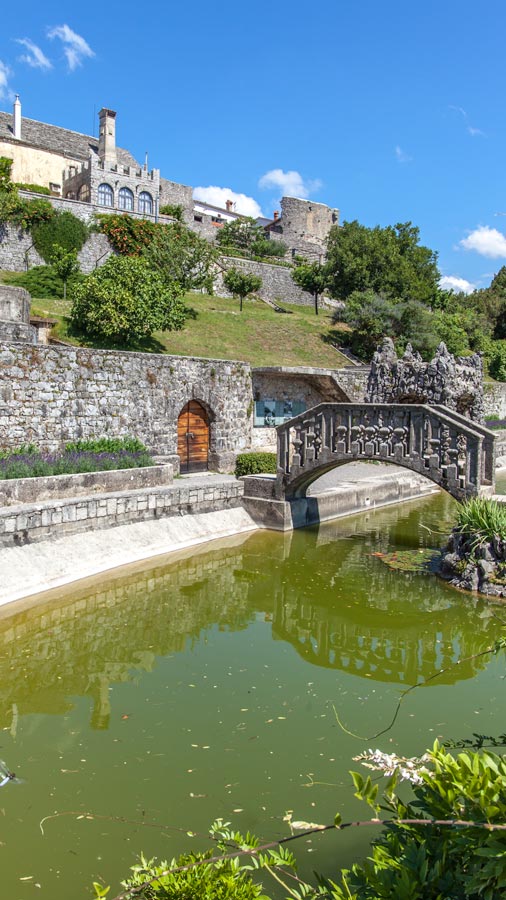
pixel 255 464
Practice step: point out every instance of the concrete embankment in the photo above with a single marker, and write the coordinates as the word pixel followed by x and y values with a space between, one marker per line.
pixel 59 541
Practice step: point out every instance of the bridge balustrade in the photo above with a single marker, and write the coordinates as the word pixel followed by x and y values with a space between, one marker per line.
pixel 454 452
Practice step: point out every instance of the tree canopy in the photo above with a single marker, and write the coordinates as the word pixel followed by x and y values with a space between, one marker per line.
pixel 389 261
pixel 240 284
pixel 313 278
pixel 179 255
pixel 126 300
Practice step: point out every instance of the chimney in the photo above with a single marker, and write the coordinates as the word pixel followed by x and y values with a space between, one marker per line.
pixel 16 115
pixel 107 135
pixel 229 205
pixel 276 215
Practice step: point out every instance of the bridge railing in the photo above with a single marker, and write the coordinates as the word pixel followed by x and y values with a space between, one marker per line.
pixel 449 449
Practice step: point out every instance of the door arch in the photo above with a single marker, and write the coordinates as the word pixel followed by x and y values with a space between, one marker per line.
pixel 193 437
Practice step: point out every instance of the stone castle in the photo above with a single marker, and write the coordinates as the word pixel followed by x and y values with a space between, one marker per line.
pixel 95 175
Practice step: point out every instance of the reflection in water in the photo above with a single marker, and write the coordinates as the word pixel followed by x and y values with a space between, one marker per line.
pixel 323 590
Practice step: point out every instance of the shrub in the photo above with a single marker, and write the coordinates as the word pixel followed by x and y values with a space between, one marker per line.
pixel 497 360
pixel 63 229
pixel 125 300
pixel 42 281
pixel 221 880
pixel 107 445
pixel 411 861
pixel 71 462
pixel 127 236
pixel 34 188
pixel 175 210
pixel 255 464
pixel 482 518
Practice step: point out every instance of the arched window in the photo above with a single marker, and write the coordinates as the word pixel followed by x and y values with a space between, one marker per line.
pixel 84 193
pixel 145 203
pixel 105 195
pixel 126 199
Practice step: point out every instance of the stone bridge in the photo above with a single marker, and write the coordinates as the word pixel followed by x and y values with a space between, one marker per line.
pixel 451 450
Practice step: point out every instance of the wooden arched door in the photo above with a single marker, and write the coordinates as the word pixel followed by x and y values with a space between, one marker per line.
pixel 193 437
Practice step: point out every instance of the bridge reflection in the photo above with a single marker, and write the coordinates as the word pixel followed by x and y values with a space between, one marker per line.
pixel 333 600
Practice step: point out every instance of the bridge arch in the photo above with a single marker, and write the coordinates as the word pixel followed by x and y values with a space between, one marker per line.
pixel 441 444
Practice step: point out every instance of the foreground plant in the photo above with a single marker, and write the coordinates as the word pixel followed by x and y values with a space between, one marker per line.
pixel 448 843
pixel 482 519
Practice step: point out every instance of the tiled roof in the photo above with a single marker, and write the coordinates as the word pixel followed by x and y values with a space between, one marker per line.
pixel 58 140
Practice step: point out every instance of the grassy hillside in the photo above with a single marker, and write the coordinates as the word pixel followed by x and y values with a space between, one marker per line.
pixel 216 328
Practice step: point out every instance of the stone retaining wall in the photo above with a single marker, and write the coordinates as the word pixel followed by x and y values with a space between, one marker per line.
pixel 29 523
pixel 52 395
pixel 277 281
pixel 35 490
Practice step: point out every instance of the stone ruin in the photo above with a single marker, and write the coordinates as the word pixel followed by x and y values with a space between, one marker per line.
pixel 452 381
pixel 15 315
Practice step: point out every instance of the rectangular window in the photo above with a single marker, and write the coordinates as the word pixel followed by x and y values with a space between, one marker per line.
pixel 269 413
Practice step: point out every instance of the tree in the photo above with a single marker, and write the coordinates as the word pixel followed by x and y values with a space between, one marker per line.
pixel 248 238
pixel 63 228
pixel 311 277
pixel 389 261
pixel 240 284
pixel 373 316
pixel 179 255
pixel 65 264
pixel 125 300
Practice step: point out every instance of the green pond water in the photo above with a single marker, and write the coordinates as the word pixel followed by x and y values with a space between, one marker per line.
pixel 206 685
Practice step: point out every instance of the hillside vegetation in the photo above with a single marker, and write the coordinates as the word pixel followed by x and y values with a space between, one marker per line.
pixel 215 328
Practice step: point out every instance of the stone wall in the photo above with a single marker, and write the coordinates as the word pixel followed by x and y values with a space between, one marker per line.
pixel 277 282
pixel 51 395
pixel 15 315
pixel 494 399
pixel 28 524
pixel 447 380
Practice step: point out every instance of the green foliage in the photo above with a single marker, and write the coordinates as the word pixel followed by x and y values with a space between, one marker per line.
pixel 497 360
pixel 240 283
pixel 65 264
pixel 433 862
pixel 34 188
pixel 313 278
pixel 30 463
pixel 5 173
pixel 255 464
pixel 219 880
pixel 482 518
pixel 125 300
pixel 388 261
pixel 179 255
pixel 175 210
pixel 249 239
pixel 107 445
pixel 127 236
pixel 23 213
pixel 63 229
pixel 42 281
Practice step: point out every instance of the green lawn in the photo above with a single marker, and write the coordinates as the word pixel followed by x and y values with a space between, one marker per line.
pixel 216 328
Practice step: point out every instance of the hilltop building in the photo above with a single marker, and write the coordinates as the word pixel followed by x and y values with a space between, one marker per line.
pixel 95 171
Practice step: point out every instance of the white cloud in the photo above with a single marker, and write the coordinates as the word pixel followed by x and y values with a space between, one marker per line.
pixel 35 57
pixel 474 132
pixel 486 241
pixel 5 74
pixel 453 283
pixel 292 184
pixel 74 46
pixel 401 155
pixel 218 196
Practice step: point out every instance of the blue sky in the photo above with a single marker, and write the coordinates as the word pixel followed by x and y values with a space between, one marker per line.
pixel 389 111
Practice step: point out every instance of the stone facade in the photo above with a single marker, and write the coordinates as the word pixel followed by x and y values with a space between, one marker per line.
pixel 455 382
pixel 303 226
pixel 51 395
